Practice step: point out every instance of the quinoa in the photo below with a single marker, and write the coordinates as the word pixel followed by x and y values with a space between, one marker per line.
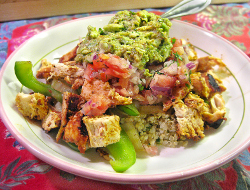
pixel 156 129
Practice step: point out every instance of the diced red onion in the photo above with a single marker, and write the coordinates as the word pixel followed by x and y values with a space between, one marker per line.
pixel 171 69
pixel 89 102
pixel 165 90
pixel 95 56
pixel 190 65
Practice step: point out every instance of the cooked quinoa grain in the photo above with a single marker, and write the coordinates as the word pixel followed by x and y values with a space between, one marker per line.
pixel 157 129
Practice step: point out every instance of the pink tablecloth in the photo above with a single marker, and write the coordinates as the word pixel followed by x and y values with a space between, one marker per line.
pixel 19 169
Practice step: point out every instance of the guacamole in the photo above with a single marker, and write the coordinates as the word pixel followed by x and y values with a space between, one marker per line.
pixel 140 37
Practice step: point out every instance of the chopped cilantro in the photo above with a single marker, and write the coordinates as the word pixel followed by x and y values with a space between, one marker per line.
pixel 177 56
pixel 206 101
pixel 159 73
pixel 190 72
pixel 132 13
pixel 158 140
pixel 173 41
pixel 101 31
pixel 141 87
pixel 187 85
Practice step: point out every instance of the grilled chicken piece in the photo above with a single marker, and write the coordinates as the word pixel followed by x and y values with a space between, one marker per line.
pixel 189 50
pixel 70 73
pixel 190 123
pixel 211 112
pixel 34 106
pixel 76 132
pixel 98 87
pixel 194 101
pixel 215 84
pixel 199 84
pixel 100 97
pixel 206 63
pixel 102 130
pixel 51 121
pixel 69 56
pixel 70 105
pixel 217 110
pixel 206 84
pixel 178 94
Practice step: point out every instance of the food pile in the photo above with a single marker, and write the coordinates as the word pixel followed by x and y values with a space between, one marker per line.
pixel 125 88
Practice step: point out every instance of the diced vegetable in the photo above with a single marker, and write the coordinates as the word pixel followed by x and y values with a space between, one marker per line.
pixel 129 109
pixel 133 135
pixel 23 71
pixel 73 146
pixel 123 153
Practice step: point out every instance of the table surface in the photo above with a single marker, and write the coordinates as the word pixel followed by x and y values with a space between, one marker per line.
pixel 231 21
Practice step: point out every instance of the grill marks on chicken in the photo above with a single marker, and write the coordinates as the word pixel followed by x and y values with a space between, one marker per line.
pixel 76 132
pixel 189 118
pixel 70 106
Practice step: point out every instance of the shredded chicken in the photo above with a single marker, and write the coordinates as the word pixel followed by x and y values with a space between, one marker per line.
pixel 70 73
pixel 190 123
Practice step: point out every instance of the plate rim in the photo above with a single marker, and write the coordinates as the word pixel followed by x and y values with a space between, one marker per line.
pixel 117 177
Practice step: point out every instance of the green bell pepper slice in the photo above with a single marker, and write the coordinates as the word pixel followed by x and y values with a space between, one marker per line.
pixel 129 109
pixel 123 153
pixel 73 146
pixel 23 71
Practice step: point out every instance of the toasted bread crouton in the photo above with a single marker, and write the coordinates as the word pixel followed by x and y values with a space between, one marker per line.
pixel 102 130
pixel 51 121
pixel 34 106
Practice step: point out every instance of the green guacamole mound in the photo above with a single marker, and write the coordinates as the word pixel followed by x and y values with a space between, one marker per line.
pixel 140 37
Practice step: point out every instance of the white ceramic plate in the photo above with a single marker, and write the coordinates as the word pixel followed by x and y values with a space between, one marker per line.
pixel 218 147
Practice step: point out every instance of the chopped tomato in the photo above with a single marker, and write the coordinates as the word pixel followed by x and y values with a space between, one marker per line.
pixel 116 73
pixel 163 81
pixel 97 105
pixel 177 42
pixel 97 64
pixel 88 72
pixel 118 64
pixel 107 67
pixel 105 77
pixel 124 82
